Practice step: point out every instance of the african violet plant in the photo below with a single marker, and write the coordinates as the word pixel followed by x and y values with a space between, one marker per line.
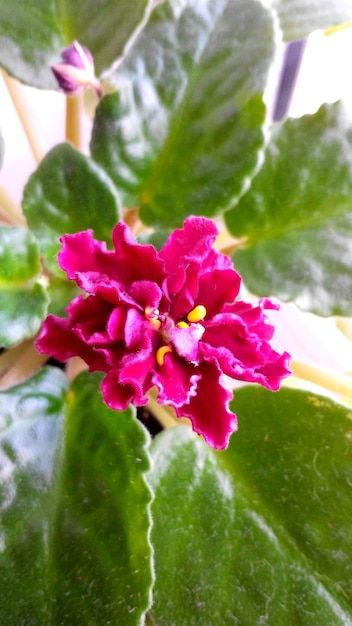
pixel 117 263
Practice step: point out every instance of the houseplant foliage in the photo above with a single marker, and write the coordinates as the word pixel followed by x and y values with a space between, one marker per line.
pixel 98 522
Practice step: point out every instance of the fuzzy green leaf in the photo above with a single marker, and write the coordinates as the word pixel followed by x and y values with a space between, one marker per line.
pixel 74 507
pixel 296 219
pixel 66 194
pixel 34 32
pixel 23 299
pixel 259 533
pixel 299 18
pixel 183 133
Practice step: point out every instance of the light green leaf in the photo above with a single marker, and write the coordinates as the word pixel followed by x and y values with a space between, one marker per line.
pixel 259 533
pixel 23 299
pixel 183 133
pixel 66 194
pixel 296 219
pixel 61 292
pixel 34 32
pixel 74 507
pixel 299 18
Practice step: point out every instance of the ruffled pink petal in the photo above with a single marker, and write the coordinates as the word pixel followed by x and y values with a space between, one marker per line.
pixel 88 316
pixel 82 253
pixel 188 246
pixel 137 367
pixel 267 372
pixel 135 330
pixel 139 262
pixel 58 340
pixel 216 288
pixel 239 343
pixel 116 395
pixel 208 409
pixel 192 243
pixel 146 294
pixel 116 324
pixel 184 293
pixel 186 341
pixel 176 380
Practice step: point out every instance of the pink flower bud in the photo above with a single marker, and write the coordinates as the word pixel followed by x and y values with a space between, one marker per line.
pixel 77 70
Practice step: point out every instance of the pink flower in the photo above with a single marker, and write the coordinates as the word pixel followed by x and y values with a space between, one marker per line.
pixel 77 70
pixel 168 319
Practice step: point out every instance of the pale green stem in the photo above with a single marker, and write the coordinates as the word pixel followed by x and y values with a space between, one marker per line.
pixel 27 118
pixel 344 324
pixel 74 109
pixel 20 363
pixel 339 384
pixel 161 414
pixel 11 212
pixel 227 244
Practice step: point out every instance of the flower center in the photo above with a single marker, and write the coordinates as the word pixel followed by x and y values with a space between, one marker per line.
pixel 164 324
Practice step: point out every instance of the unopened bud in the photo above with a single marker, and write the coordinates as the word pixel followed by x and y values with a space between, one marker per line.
pixel 77 70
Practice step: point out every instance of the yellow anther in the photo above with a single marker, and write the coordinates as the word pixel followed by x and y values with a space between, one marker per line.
pixel 151 313
pixel 197 314
pixel 160 354
pixel 182 325
pixel 155 323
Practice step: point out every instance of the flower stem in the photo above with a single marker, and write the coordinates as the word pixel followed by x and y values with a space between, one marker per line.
pixel 344 324
pixel 9 211
pixel 74 108
pixel 131 218
pixel 165 419
pixel 339 384
pixel 19 363
pixel 28 120
pixel 227 244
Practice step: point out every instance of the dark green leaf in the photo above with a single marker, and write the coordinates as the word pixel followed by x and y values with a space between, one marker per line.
pixel 183 133
pixel 23 299
pixel 31 434
pixel 34 32
pixel 68 193
pixel 102 550
pixel 74 507
pixel 297 216
pixel 298 18
pixel 259 533
pixel 61 292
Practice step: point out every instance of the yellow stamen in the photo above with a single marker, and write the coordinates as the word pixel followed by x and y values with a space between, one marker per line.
pixel 197 314
pixel 182 325
pixel 160 354
pixel 151 313
pixel 154 323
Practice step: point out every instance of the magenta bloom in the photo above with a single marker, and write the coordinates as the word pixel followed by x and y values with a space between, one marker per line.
pixel 167 319
pixel 77 70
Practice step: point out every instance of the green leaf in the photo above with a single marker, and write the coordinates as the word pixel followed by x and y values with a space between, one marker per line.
pixel 296 219
pixel 74 507
pixel 23 299
pixel 31 433
pixel 259 533
pixel 299 18
pixel 61 292
pixel 101 537
pixel 34 32
pixel 183 133
pixel 66 194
